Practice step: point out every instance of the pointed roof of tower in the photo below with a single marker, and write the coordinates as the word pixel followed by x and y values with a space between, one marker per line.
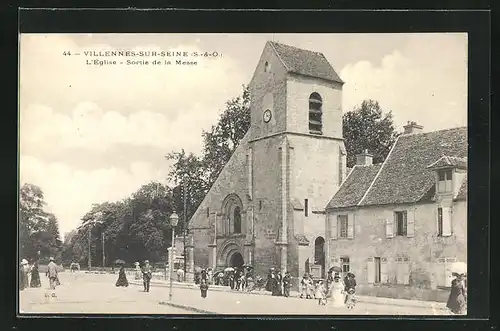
pixel 304 62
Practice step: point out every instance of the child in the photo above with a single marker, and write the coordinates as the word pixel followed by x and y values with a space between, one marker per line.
pixel 321 293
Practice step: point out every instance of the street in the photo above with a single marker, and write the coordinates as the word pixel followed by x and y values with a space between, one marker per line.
pixel 96 293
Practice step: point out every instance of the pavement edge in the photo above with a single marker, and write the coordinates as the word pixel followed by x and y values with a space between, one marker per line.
pixel 188 308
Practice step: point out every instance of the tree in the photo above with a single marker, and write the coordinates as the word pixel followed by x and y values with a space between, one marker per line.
pixel 367 128
pixel 189 172
pixel 33 220
pixel 223 138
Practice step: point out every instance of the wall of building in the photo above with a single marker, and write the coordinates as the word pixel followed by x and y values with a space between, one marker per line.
pixel 422 250
pixel 266 201
pixel 268 91
pixel 299 89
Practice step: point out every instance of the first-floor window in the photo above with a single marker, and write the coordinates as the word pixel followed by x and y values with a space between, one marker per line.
pixel 344 263
pixel 401 223
pixel 342 224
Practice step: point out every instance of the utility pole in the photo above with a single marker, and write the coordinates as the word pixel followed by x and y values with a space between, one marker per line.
pixel 103 254
pixel 90 263
pixel 184 225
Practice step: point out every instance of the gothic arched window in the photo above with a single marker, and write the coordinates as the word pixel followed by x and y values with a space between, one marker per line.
pixel 237 220
pixel 315 114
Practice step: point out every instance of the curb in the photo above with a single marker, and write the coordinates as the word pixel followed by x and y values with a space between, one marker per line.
pixel 372 300
pixel 188 308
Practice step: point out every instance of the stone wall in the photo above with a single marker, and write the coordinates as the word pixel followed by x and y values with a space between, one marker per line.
pixel 423 249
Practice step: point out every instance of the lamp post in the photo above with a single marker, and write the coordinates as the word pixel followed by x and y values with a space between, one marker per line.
pixel 173 223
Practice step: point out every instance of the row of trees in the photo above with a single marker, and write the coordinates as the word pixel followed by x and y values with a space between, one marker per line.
pixel 137 227
pixel 38 229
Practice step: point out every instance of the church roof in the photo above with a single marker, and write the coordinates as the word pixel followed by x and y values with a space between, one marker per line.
pixel 404 177
pixel 354 186
pixel 304 62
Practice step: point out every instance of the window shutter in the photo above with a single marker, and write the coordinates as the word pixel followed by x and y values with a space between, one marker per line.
pixel 406 273
pixel 446 222
pixel 333 228
pixel 370 271
pixel 384 276
pixel 350 227
pixel 389 228
pixel 410 226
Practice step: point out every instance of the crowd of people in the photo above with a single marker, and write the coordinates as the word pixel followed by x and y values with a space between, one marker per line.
pixel 29 275
pixel 340 292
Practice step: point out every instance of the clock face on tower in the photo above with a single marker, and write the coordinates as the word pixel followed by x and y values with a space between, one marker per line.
pixel 267 116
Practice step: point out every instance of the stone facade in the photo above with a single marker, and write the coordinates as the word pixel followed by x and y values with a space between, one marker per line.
pixel 280 178
pixel 424 253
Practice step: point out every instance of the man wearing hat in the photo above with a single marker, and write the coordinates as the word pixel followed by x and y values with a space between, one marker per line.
pixel 147 273
pixel 52 273
pixel 287 283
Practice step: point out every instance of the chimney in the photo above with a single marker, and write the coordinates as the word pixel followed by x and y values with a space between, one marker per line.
pixel 412 127
pixel 364 158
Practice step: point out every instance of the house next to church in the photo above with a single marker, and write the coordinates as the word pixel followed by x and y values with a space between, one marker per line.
pixel 267 206
pixel 399 225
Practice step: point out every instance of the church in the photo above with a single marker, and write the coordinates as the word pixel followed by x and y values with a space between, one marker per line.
pixel 267 207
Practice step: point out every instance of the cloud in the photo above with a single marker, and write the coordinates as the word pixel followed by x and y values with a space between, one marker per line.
pixel 426 94
pixel 89 127
pixel 70 192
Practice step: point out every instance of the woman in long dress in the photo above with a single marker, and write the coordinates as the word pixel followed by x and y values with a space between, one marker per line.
pixel 138 271
pixel 22 284
pixel 122 278
pixel 35 276
pixel 337 292
pixel 457 299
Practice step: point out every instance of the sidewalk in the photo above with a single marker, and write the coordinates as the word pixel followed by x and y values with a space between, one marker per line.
pixel 366 299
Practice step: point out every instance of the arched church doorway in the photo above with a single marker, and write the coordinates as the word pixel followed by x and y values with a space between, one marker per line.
pixel 319 254
pixel 236 260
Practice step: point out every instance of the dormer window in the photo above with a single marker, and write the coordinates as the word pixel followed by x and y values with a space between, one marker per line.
pixel 444 181
pixel 315 114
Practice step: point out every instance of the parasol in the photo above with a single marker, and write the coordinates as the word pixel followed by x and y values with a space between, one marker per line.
pixel 198 269
pixel 335 269
pixel 228 269
pixel 459 267
pixel 218 272
pixel 247 266
pixel 119 261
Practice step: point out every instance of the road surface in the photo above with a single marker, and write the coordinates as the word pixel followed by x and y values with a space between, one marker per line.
pixel 95 293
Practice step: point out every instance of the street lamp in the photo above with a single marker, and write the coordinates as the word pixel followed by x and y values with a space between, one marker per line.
pixel 173 222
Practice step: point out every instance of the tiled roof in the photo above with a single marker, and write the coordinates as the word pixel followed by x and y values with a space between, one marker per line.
pixel 304 62
pixel 404 177
pixel 462 192
pixel 449 162
pixel 354 187
pixel 348 170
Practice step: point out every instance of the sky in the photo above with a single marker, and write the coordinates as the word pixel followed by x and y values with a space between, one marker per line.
pixel 90 134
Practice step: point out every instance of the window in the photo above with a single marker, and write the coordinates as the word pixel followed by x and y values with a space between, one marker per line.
pixel 315 114
pixel 444 183
pixel 306 207
pixel 344 264
pixel 208 212
pixel 444 222
pixel 267 66
pixel 237 220
pixel 401 223
pixel 440 221
pixel 260 204
pixel 343 224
